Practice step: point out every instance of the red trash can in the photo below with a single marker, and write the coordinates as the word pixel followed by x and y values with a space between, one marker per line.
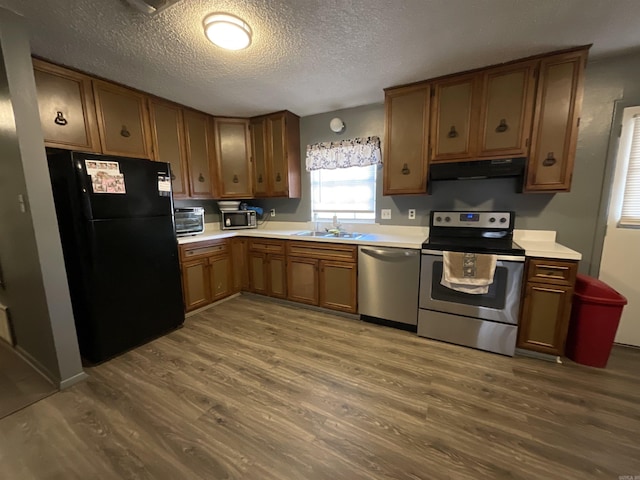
pixel 595 316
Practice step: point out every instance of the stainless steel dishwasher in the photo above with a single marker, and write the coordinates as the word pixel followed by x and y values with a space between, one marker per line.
pixel 388 283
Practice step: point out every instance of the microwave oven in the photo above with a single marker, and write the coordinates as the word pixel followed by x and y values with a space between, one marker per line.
pixel 189 221
pixel 238 219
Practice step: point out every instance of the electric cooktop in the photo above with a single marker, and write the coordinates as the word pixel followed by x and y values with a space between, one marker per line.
pixel 485 232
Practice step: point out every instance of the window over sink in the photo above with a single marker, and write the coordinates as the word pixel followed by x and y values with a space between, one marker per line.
pixel 349 193
pixel 343 179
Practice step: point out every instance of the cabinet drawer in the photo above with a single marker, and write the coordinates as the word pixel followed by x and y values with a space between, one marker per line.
pixel 267 246
pixel 323 251
pixel 203 249
pixel 552 271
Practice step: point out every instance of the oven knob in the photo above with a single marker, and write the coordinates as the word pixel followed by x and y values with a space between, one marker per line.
pixel 438 219
pixel 503 219
pixel 492 219
pixel 447 219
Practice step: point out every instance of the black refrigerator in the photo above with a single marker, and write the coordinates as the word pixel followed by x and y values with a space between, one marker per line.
pixel 115 217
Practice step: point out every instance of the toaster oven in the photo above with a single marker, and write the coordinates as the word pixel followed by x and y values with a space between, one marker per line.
pixel 189 221
pixel 238 219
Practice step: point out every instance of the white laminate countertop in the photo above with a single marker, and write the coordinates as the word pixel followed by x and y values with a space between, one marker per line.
pixel 537 243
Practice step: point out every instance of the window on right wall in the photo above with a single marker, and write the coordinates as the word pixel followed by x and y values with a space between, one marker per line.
pixel 630 143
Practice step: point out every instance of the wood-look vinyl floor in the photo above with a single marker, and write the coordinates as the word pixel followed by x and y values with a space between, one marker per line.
pixel 20 383
pixel 251 389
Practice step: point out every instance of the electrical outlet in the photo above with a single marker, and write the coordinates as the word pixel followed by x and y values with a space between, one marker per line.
pixel 385 214
pixel 272 212
pixel 412 214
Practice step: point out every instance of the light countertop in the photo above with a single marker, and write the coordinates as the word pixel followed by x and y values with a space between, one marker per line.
pixel 537 243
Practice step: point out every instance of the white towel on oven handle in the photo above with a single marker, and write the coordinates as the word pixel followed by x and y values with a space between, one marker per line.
pixel 476 285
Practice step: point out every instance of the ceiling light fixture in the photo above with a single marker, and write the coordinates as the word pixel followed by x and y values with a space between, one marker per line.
pixel 227 31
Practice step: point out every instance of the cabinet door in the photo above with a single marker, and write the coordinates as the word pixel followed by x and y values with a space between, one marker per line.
pixel 195 281
pixel 123 121
pixel 545 318
pixel 302 279
pixel 506 114
pixel 279 174
pixel 406 140
pixel 199 154
pixel 233 157
pixel 453 125
pixel 167 128
pixel 67 110
pixel 338 286
pixel 555 130
pixel 277 276
pixel 258 272
pixel 220 280
pixel 258 129
pixel 239 263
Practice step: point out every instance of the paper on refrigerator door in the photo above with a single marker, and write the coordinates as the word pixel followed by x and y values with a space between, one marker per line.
pixel 105 176
pixel 164 185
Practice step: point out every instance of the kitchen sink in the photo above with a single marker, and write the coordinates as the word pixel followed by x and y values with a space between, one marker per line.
pixel 351 235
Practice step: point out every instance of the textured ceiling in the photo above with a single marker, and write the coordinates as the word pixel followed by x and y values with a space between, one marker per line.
pixel 312 56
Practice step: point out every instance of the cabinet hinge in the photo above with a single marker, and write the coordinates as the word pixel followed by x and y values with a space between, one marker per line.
pixel 526 143
pixel 605 230
pixel 620 130
pixel 578 122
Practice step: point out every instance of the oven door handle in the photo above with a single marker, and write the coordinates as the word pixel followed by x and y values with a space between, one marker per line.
pixel 395 253
pixel 503 258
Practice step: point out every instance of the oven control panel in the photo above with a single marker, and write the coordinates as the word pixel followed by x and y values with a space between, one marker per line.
pixel 492 220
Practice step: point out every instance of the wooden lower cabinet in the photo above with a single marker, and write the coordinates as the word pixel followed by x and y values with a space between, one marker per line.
pixel 324 274
pixel 240 263
pixel 195 283
pixel 546 308
pixel 206 272
pixel 302 277
pixel 267 267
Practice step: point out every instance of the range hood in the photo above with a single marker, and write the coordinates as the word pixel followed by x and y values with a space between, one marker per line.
pixel 510 167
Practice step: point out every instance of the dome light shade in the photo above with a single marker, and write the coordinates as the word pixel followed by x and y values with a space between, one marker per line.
pixel 227 31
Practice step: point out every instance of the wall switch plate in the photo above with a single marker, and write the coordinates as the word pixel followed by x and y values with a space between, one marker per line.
pixel 412 214
pixel 385 214
pixel 272 212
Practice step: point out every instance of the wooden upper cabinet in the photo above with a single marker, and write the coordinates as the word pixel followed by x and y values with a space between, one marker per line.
pixel 199 154
pixel 555 129
pixel 67 109
pixel 167 128
pixel 233 157
pixel 123 121
pixel 454 119
pixel 258 128
pixel 278 154
pixel 275 139
pixel 506 111
pixel 406 140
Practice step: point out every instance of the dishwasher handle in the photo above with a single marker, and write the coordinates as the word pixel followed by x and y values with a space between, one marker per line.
pixel 390 253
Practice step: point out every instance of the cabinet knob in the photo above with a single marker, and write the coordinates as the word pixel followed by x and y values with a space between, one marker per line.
pixel 201 178
pixel 405 169
pixel 173 176
pixel 278 177
pixel 549 161
pixel 235 178
pixel 260 178
pixel 60 120
pixel 453 133
pixel 125 132
pixel 503 127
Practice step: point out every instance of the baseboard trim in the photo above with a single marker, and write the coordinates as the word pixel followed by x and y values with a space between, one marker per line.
pixel 79 377
pixel 537 355
pixel 305 306
pixel 41 369
pixel 207 307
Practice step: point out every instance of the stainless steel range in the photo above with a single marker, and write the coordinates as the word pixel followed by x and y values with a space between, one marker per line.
pixel 487 321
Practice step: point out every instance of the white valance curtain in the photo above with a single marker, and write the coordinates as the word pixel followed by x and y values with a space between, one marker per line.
pixel 355 152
